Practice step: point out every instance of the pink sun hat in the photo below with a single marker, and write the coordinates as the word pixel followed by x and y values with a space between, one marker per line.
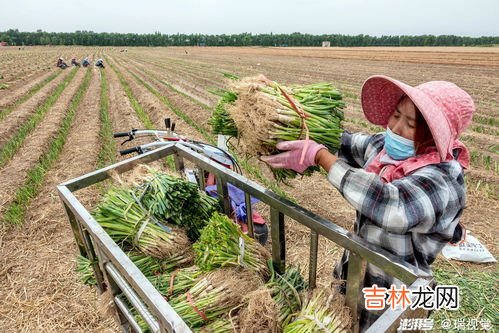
pixel 446 108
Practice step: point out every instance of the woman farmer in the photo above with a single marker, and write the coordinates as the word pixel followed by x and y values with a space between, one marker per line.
pixel 407 183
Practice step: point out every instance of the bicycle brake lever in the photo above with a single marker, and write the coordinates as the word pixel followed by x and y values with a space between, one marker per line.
pixel 130 138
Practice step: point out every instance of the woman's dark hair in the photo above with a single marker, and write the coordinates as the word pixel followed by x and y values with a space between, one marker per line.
pixel 423 137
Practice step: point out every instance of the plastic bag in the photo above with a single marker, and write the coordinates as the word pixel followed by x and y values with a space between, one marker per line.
pixel 468 249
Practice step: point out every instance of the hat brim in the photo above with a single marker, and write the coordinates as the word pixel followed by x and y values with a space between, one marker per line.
pixel 380 96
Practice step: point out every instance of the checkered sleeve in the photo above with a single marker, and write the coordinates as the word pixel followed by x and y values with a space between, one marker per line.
pixel 415 201
pixel 357 148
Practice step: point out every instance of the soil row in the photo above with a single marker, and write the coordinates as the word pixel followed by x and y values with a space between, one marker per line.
pixel 36 143
pixel 22 70
pixel 15 92
pixel 154 107
pixel 42 253
pixel 22 112
pixel 191 87
pixel 122 115
pixel 20 66
pixel 199 114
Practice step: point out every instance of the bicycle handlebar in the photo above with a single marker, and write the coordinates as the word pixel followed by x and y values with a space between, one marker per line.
pixel 121 134
pixel 131 150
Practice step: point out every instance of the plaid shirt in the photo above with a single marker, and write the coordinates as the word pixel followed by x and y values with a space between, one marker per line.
pixel 412 217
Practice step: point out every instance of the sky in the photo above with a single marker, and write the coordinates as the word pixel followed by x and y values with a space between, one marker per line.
pixel 350 17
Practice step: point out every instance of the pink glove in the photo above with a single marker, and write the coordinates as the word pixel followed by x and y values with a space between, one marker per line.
pixel 290 159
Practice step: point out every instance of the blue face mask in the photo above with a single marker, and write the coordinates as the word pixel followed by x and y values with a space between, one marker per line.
pixel 398 147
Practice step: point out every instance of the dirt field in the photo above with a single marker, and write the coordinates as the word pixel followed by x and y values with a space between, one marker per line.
pixel 50 124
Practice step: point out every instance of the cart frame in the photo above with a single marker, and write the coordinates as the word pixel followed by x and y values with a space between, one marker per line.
pixel 116 272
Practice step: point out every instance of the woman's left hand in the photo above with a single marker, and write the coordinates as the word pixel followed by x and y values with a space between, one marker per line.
pixel 290 158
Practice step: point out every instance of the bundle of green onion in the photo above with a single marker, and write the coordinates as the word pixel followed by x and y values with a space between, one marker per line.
pixel 124 218
pixel 172 283
pixel 316 316
pixel 266 113
pixel 222 244
pixel 85 270
pixel 202 303
pixel 321 104
pixel 176 201
pixel 214 295
pixel 285 290
pixel 279 299
pixel 151 266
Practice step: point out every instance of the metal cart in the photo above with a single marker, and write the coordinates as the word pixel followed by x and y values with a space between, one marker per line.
pixel 116 272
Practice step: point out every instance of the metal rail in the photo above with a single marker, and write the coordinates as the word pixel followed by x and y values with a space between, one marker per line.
pixel 90 236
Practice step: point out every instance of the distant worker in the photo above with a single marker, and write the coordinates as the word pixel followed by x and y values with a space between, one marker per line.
pixel 74 62
pixel 85 62
pixel 61 63
pixel 100 63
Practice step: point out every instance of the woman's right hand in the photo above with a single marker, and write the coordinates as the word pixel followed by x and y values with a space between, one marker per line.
pixel 290 158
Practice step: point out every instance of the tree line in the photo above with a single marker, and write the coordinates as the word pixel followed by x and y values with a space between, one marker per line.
pixel 90 38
